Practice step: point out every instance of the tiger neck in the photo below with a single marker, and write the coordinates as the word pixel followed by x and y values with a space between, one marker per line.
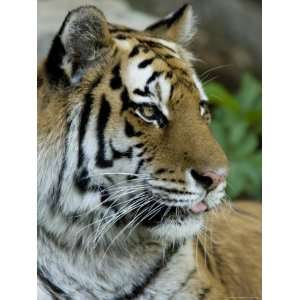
pixel 148 268
pixel 72 266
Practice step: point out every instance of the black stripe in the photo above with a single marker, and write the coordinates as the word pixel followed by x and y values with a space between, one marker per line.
pixel 168 56
pixel 176 16
pixel 53 64
pixel 174 191
pixel 129 130
pixel 168 22
pixel 157 45
pixel 108 178
pixel 117 29
pixel 145 93
pixel 116 81
pixel 161 263
pixel 118 154
pixel 149 159
pixel 145 63
pixel 160 171
pixel 52 288
pixel 156 25
pixel 85 115
pixel 56 192
pixel 95 83
pixel 171 92
pixel 139 145
pixel 140 164
pixel 115 52
pixel 129 177
pixel 55 58
pixel 134 51
pixel 121 36
pixel 126 101
pixel 103 117
pixel 169 74
pixel 153 77
pixel 126 154
pixel 82 182
pixel 142 152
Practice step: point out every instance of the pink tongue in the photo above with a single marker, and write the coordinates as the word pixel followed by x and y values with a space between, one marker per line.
pixel 199 207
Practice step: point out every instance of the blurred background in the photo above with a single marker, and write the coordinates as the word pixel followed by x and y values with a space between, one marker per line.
pixel 228 45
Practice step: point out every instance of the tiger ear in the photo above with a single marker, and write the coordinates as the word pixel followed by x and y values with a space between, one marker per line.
pixel 82 40
pixel 178 26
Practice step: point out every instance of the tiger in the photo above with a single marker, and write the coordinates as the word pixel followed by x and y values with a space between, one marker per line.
pixel 131 181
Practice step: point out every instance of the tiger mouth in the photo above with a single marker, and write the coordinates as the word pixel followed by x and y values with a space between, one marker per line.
pixel 158 211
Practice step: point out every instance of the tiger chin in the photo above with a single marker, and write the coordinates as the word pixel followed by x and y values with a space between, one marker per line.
pixel 131 181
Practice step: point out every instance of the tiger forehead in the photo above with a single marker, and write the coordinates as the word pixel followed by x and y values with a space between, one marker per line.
pixel 153 57
pixel 142 45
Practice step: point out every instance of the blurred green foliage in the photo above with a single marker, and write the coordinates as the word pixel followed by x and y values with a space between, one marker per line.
pixel 236 124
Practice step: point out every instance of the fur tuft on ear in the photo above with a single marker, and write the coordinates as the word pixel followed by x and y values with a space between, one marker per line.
pixel 178 26
pixel 82 39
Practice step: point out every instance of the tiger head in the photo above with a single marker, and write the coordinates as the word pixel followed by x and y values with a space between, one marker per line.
pixel 124 116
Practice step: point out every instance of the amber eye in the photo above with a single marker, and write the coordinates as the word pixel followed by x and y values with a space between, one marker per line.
pixel 148 112
pixel 151 114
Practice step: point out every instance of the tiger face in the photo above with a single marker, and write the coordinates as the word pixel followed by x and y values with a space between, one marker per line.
pixel 138 145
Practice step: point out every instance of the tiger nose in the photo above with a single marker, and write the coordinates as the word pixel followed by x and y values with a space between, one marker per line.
pixel 209 180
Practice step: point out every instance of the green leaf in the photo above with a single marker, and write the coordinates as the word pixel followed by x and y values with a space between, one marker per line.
pixel 218 95
pixel 236 181
pixel 219 133
pixel 237 133
pixel 247 146
pixel 249 94
pixel 254 119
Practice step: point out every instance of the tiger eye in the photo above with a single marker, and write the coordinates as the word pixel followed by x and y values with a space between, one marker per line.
pixel 148 112
pixel 151 114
